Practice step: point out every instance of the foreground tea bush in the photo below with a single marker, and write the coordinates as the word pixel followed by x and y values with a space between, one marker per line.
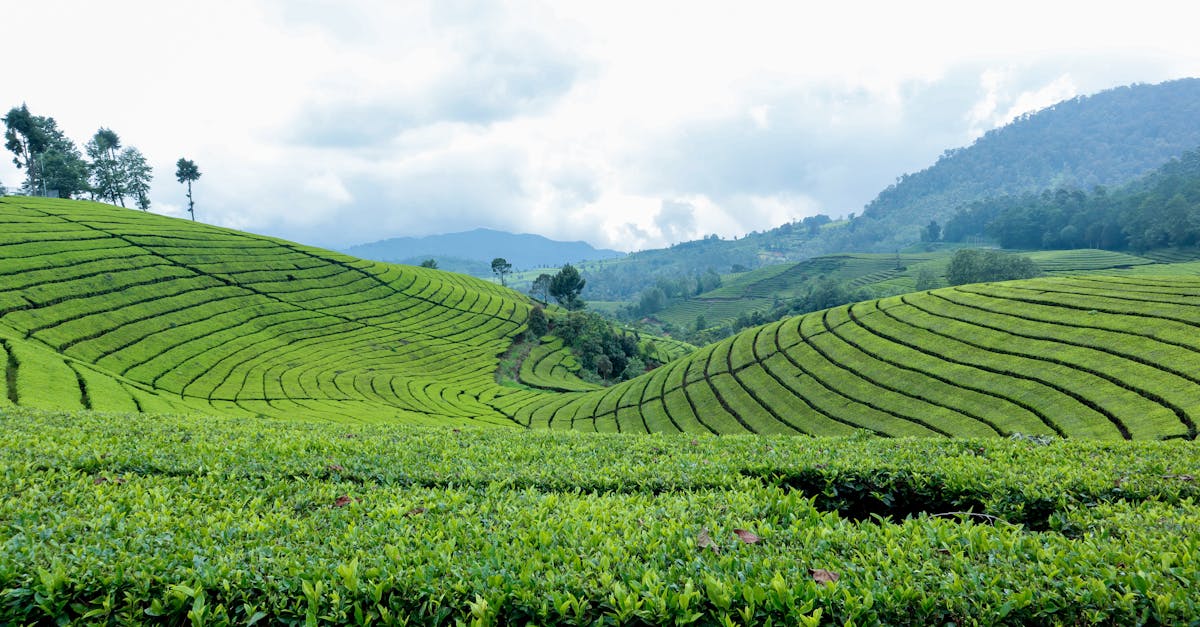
pixel 126 519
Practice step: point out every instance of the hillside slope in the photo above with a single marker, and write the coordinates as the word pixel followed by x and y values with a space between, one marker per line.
pixel 113 309
pixel 1097 357
pixel 1107 138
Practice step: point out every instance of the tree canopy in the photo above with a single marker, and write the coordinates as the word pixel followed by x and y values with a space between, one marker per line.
pixel 187 172
pixel 973 265
pixel 566 286
pixel 1160 209
pixel 501 268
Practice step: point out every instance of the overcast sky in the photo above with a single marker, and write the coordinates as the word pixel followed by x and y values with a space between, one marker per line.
pixel 627 124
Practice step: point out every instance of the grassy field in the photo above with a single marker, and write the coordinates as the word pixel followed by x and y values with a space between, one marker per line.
pixel 125 519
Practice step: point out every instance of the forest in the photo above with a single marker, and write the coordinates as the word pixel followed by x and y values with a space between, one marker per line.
pixel 1160 209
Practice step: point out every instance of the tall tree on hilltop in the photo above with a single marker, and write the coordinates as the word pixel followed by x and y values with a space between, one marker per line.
pixel 61 166
pixel 501 268
pixel 541 285
pixel 25 138
pixel 137 175
pixel 107 179
pixel 186 172
pixel 566 286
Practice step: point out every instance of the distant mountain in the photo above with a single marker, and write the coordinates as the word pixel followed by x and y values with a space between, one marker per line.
pixel 1108 138
pixel 523 251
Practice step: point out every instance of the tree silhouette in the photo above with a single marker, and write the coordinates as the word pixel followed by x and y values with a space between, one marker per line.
pixel 137 174
pixel 565 287
pixel 108 182
pixel 501 268
pixel 25 139
pixel 186 172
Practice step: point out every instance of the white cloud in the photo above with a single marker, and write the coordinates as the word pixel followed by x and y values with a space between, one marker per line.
pixel 342 122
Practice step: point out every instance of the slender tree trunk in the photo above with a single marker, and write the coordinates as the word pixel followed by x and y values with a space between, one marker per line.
pixel 191 205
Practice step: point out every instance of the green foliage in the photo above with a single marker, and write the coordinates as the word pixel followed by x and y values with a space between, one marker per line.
pixel 539 325
pixel 121 519
pixel 26 140
pixel 932 232
pixel 973 265
pixel 1077 357
pixel 430 263
pixel 108 309
pixel 541 285
pixel 121 310
pixel 565 287
pixel 187 172
pixel 1108 138
pixel 602 348
pixel 137 176
pixel 108 182
pixel 50 159
pixel 1159 210
pixel 926 280
pixel 552 366
pixel 501 269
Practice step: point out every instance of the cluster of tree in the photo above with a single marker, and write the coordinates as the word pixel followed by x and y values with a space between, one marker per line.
pixel 1160 209
pixel 565 286
pixel 667 291
pixel 973 265
pixel 53 163
pixel 605 353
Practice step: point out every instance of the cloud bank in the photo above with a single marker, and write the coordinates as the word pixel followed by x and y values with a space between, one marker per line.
pixel 626 125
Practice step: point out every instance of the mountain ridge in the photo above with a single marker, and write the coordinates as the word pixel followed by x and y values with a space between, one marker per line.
pixel 523 250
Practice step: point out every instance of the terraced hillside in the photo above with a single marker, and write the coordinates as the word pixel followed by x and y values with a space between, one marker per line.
pixel 111 309
pixel 552 366
pixel 887 274
pixel 1097 357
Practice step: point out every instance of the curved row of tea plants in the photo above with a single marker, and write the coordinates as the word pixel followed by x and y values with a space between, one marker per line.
pixel 1084 259
pixel 1097 357
pixel 552 366
pixel 112 518
pixel 104 308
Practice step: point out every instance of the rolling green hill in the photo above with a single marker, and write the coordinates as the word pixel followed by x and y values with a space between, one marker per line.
pixel 1102 357
pixel 105 308
pixel 111 309
pixel 877 275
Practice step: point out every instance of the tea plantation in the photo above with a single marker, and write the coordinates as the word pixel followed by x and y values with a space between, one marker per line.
pixel 125 519
pixel 109 309
pixel 203 426
pixel 103 308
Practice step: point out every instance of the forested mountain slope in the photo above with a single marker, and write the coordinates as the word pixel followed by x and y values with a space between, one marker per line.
pixel 1157 210
pixel 1104 139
